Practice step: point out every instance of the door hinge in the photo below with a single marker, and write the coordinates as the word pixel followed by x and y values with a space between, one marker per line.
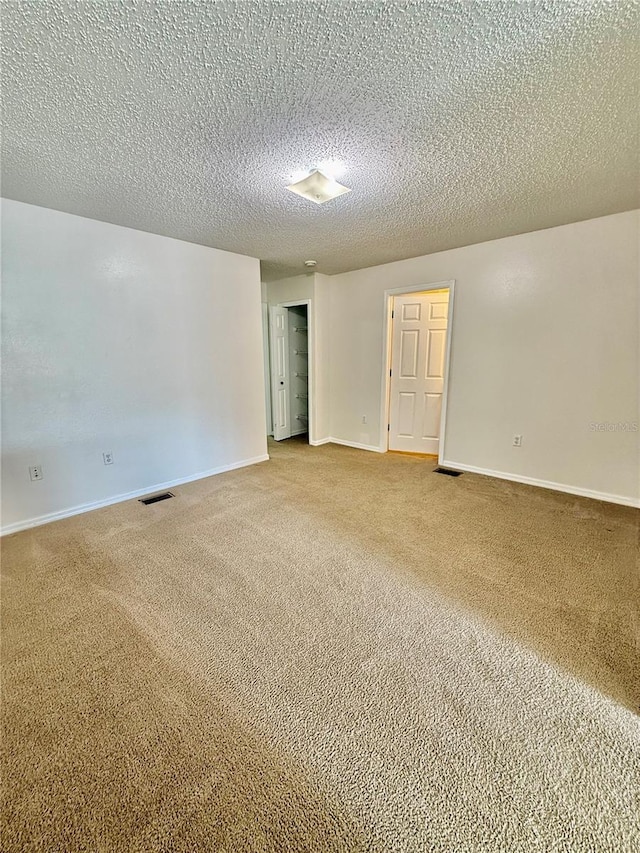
pixel 388 427
pixel 390 371
pixel 393 313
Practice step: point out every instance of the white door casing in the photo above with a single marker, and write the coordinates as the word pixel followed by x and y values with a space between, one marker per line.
pixel 267 367
pixel 279 347
pixel 418 358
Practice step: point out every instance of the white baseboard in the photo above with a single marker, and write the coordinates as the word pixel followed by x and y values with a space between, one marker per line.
pixel 357 445
pixel 148 490
pixel 544 484
pixel 331 440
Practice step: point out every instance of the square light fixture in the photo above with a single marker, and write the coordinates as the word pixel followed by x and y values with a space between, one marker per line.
pixel 318 188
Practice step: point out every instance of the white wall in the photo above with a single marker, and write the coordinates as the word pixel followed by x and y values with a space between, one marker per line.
pixel 123 341
pixel 291 289
pixel 322 363
pixel 545 344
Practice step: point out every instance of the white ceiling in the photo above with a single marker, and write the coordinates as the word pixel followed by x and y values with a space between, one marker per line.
pixel 457 122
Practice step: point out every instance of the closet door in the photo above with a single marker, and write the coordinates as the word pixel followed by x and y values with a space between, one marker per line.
pixel 280 390
pixel 418 356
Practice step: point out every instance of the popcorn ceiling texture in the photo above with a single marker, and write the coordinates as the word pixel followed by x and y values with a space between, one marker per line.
pixel 457 122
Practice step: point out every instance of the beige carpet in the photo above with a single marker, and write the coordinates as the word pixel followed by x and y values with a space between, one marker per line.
pixel 331 651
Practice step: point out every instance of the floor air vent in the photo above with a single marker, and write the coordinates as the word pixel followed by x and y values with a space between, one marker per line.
pixel 155 498
pixel 447 472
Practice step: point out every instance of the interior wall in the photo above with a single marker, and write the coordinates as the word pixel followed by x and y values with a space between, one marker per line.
pixel 296 287
pixel 322 360
pixel 121 341
pixel 544 344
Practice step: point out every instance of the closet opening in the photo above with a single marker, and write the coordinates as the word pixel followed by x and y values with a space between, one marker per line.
pixel 290 346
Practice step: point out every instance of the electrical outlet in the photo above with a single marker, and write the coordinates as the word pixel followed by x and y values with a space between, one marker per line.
pixel 35 472
pixel 108 458
pixel 364 419
pixel 517 441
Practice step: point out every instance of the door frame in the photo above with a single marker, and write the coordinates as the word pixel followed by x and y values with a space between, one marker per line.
pixel 310 359
pixel 266 354
pixel 386 360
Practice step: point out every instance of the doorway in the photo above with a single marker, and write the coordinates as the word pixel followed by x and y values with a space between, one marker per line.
pixel 290 359
pixel 418 345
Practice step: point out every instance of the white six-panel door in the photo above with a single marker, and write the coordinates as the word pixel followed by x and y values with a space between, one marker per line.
pixel 418 353
pixel 279 346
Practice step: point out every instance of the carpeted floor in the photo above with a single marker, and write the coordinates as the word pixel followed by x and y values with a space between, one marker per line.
pixel 331 651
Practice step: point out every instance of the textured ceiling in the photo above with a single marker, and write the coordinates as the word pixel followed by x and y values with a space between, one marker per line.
pixel 456 122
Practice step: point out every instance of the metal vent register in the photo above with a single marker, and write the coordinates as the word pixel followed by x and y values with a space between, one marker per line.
pixel 155 498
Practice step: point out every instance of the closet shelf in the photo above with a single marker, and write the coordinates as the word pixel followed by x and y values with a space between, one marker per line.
pixel 299 328
pixel 302 374
pixel 300 352
pixel 302 418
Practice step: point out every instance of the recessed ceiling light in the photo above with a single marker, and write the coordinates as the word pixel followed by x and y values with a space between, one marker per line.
pixel 318 188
